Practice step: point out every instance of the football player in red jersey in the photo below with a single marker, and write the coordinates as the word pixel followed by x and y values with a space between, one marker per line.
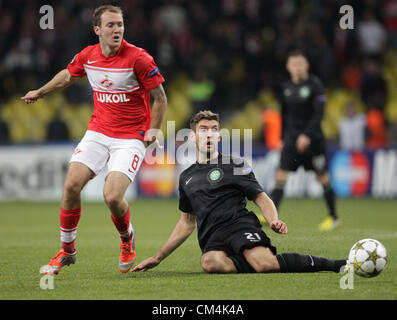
pixel 123 78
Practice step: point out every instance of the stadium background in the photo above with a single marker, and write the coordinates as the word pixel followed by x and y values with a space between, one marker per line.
pixel 225 55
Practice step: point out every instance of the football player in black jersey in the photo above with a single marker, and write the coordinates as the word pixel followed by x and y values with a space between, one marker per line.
pixel 302 110
pixel 213 193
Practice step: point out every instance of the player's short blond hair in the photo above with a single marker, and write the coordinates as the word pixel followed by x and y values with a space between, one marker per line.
pixel 97 16
pixel 203 115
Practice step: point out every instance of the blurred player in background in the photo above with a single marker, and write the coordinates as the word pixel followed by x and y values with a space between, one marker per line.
pixel 123 77
pixel 304 144
pixel 212 193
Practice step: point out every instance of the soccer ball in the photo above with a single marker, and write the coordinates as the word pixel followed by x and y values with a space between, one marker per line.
pixel 368 258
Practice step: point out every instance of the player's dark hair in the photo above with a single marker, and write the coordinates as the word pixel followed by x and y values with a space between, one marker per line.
pixel 296 52
pixel 97 16
pixel 203 115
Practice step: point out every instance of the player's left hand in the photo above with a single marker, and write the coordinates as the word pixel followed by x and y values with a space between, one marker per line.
pixel 302 143
pixel 279 226
pixel 149 263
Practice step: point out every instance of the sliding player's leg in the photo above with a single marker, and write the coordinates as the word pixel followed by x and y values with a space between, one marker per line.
pixel 217 261
pixel 296 262
pixel 262 259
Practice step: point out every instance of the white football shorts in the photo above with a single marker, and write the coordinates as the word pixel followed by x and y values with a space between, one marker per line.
pixel 95 150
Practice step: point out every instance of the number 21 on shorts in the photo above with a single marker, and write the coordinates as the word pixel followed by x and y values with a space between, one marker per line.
pixel 253 237
pixel 134 164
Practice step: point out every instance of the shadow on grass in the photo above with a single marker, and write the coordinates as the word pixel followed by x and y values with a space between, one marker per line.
pixel 172 274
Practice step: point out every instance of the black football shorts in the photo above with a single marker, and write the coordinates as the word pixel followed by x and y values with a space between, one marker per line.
pixel 241 235
pixel 313 158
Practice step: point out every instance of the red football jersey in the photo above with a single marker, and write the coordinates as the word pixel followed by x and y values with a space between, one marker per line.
pixel 121 85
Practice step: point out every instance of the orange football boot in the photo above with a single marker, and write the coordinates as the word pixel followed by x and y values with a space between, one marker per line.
pixel 127 255
pixel 61 259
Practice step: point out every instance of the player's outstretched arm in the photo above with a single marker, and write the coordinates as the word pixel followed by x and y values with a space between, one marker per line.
pixel 269 212
pixel 183 229
pixel 61 80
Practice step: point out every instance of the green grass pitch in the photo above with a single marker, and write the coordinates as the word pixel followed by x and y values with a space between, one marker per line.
pixel 29 237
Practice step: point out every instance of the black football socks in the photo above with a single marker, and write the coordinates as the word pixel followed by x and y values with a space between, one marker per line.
pixel 277 193
pixel 293 263
pixel 296 262
pixel 329 197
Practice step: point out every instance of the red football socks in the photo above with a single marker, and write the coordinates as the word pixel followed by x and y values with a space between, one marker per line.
pixel 69 220
pixel 123 225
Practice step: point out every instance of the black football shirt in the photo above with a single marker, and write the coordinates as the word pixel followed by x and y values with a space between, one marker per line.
pixel 302 109
pixel 217 193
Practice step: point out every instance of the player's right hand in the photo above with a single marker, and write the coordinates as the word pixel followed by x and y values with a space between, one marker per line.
pixel 302 142
pixel 279 226
pixel 31 96
pixel 147 264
